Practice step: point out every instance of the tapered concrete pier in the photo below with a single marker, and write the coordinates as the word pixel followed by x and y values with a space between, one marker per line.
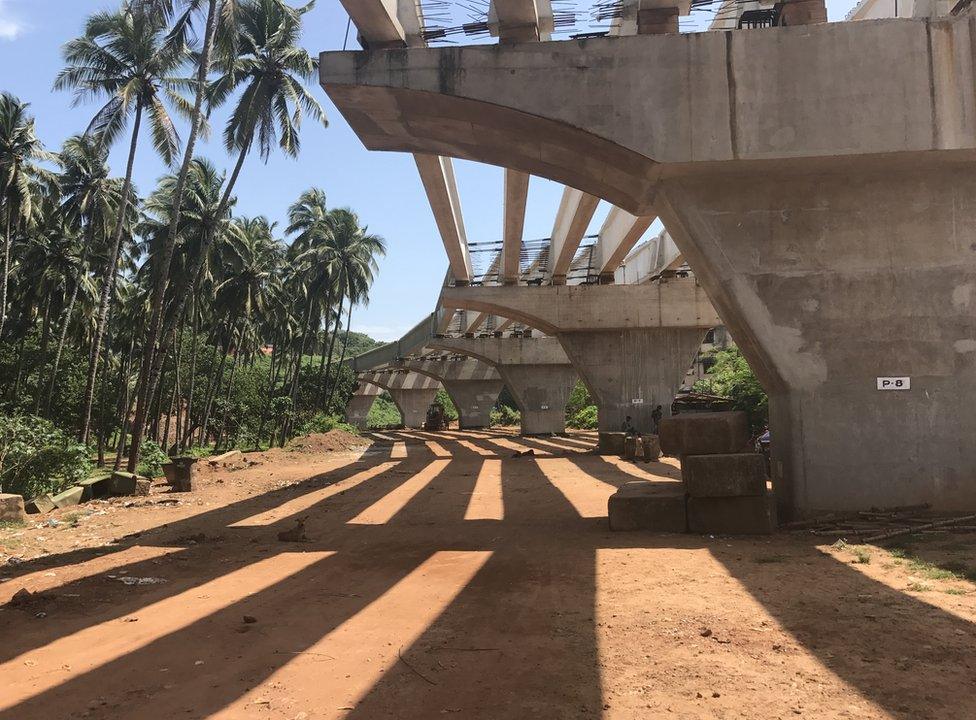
pixel 536 371
pixel 411 392
pixel 472 385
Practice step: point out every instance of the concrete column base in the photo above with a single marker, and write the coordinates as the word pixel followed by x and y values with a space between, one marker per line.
pixel 357 410
pixel 631 372
pixel 413 405
pixel 474 400
pixel 541 392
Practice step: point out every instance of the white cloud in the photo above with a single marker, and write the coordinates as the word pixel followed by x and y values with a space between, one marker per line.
pixel 383 333
pixel 10 25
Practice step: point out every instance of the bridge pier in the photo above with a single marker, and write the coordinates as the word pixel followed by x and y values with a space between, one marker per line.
pixel 472 385
pixel 413 405
pixel 357 410
pixel 535 370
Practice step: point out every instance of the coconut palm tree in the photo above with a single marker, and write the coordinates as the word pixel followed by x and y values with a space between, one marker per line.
pixel 90 200
pixel 267 70
pixel 355 253
pixel 20 152
pixel 126 57
pixel 221 13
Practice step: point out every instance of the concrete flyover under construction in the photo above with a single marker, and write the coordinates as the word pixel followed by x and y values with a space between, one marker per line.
pixel 830 215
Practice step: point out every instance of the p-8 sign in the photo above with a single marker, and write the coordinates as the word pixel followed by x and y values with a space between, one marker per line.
pixel 894 383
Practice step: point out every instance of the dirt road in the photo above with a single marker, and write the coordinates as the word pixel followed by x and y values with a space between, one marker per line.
pixel 444 577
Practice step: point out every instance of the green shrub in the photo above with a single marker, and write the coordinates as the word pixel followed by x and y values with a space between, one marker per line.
pixel 151 459
pixel 731 377
pixel 505 416
pixel 450 412
pixel 321 423
pixel 383 414
pixel 36 457
pixel 586 418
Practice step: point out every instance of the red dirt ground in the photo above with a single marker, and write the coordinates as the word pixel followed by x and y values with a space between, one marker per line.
pixel 445 577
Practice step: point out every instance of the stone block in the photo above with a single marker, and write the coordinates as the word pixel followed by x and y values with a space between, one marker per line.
pixel 96 488
pixel 71 496
pixel 611 443
pixel 180 473
pixel 729 475
pixel 40 504
pixel 704 433
pixel 630 448
pixel 143 486
pixel 650 448
pixel 731 515
pixel 12 508
pixel 803 12
pixel 642 505
pixel 124 483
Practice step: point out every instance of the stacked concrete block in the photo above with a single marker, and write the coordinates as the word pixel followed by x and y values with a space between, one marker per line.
pixel 612 443
pixel 642 505
pixel 726 487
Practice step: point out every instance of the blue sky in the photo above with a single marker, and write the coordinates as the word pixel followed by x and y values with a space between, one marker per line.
pixel 382 187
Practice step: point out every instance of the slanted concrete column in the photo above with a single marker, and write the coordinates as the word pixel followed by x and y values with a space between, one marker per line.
pixel 829 282
pixel 472 385
pixel 357 410
pixel 536 371
pixel 413 405
pixel 631 372
pixel 541 392
pixel 360 403
pixel 474 400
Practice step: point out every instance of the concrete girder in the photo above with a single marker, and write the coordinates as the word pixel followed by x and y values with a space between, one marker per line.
pixel 520 20
pixel 516 196
pixel 620 232
pixel 437 175
pixel 676 303
pixel 413 340
pixel 698 100
pixel 412 393
pixel 648 261
pixel 386 23
pixel 572 219
pixel 536 371
pixel 472 385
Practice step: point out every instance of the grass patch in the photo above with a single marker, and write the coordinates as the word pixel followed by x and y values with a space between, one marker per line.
pixel 12 524
pixel 955 591
pixel 862 556
pixel 918 587
pixel 73 518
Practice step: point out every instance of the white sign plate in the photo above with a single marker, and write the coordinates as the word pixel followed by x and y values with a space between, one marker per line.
pixel 894 383
pixel 637 401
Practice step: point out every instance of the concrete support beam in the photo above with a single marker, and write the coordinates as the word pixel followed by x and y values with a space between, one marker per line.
pixel 572 219
pixel 536 371
pixel 386 23
pixel 472 385
pixel 620 232
pixel 516 196
pixel 680 302
pixel 437 174
pixel 476 321
pixel 514 21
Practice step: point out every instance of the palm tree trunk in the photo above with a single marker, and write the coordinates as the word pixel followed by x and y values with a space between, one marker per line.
pixel 108 280
pixel 335 332
pixel 230 387
pixel 161 276
pixel 193 381
pixel 66 323
pixel 7 240
pixel 215 387
pixel 123 407
pixel 191 277
pixel 328 403
pixel 42 357
pixel 270 394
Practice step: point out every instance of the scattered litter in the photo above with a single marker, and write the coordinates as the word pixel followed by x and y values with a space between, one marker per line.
pixel 250 619
pixel 706 632
pixel 128 580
